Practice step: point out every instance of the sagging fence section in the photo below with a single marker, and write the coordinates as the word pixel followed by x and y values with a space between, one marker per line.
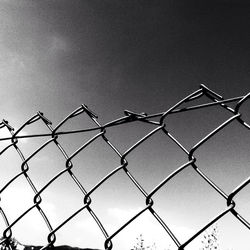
pixel 158 123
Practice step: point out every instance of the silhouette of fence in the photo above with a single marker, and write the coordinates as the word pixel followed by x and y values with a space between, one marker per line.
pixel 157 121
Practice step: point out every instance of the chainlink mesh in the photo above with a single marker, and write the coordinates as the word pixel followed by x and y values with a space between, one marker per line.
pixel 157 122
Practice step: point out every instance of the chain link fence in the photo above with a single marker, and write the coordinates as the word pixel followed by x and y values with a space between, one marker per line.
pixel 158 124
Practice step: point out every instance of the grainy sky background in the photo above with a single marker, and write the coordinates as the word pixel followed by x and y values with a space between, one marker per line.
pixel 136 55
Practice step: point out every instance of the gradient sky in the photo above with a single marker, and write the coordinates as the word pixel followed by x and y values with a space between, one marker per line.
pixel 142 56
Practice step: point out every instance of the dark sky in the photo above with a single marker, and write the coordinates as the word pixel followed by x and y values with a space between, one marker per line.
pixel 146 54
pixel 138 55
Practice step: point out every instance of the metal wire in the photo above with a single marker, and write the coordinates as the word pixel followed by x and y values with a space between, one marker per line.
pixel 157 121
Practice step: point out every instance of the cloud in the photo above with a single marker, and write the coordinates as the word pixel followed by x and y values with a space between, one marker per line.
pixel 16 61
pixel 123 214
pixel 4 133
pixel 57 43
pixel 147 226
pixel 23 140
pixel 27 40
pixel 30 229
pixel 93 235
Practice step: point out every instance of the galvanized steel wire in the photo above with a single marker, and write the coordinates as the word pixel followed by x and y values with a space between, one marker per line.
pixel 157 121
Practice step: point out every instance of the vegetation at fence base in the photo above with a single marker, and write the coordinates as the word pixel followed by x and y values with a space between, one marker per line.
pixel 63 247
pixel 10 244
pixel 140 245
pixel 13 244
pixel 209 241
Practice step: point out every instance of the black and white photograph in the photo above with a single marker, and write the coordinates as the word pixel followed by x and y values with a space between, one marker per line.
pixel 124 124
